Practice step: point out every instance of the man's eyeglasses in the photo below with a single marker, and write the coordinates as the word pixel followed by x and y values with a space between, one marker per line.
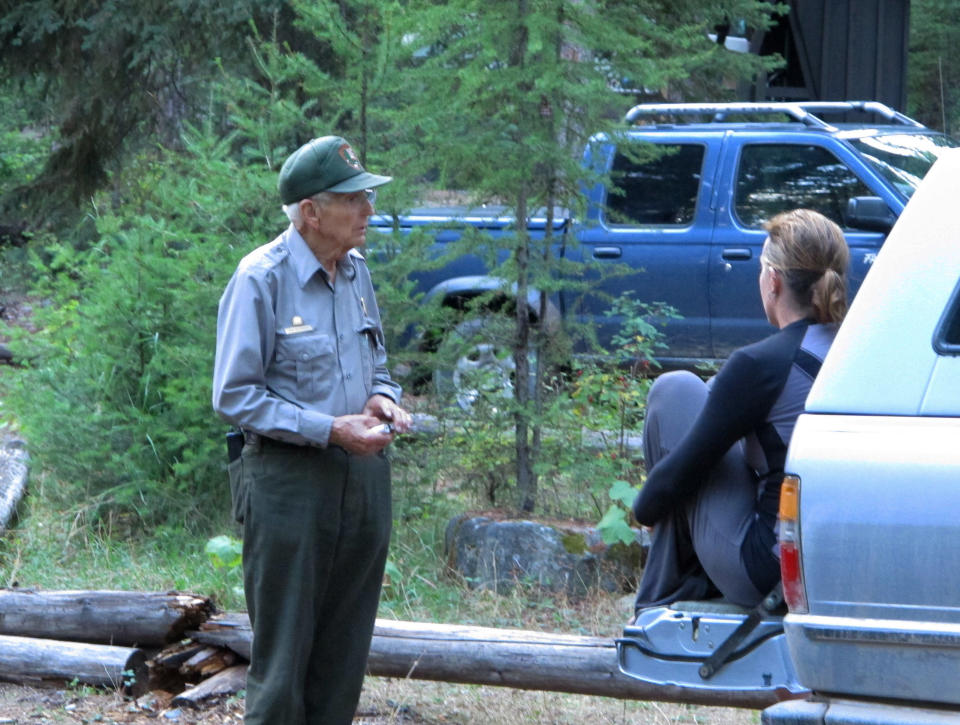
pixel 353 198
pixel 359 197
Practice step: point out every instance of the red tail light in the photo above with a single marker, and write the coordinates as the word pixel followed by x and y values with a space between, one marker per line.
pixel 791 562
pixel 794 593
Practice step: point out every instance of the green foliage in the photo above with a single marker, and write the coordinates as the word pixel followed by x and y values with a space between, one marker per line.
pixel 509 90
pixel 934 64
pixel 224 552
pixel 615 526
pixel 24 144
pixel 506 96
pixel 117 77
pixel 608 401
pixel 115 399
pixel 115 396
pixel 589 434
pixel 612 397
pixel 498 98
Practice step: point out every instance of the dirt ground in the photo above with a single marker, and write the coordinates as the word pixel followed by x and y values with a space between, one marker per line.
pixel 385 701
pixel 42 705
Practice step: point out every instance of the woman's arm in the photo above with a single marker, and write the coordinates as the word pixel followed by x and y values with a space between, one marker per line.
pixel 739 401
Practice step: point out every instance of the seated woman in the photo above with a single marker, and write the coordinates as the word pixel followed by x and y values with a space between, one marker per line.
pixel 715 452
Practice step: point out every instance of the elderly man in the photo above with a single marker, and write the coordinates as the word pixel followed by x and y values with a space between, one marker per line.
pixel 301 369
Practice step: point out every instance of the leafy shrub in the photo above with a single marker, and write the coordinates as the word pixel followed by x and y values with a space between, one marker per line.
pixel 589 458
pixel 115 400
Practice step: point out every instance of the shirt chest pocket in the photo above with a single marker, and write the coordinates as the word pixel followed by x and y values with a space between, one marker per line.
pixel 309 360
pixel 372 348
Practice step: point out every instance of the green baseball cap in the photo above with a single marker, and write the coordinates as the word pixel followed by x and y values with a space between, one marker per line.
pixel 327 163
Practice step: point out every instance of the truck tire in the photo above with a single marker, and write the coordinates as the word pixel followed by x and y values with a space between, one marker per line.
pixel 475 362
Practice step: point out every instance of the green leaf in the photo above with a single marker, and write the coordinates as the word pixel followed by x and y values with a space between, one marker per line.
pixel 613 527
pixel 623 492
pixel 392 571
pixel 225 552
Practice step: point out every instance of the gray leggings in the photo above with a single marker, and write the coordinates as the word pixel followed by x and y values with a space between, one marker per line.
pixel 695 551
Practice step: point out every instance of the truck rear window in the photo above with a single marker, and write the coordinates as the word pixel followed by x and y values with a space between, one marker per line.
pixel 655 184
pixel 947 338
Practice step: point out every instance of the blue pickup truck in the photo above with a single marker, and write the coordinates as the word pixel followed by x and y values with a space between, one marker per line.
pixel 690 188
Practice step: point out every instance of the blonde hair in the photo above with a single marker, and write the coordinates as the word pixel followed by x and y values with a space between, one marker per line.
pixel 811 253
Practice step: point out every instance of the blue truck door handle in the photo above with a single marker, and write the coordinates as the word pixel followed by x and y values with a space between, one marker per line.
pixel 607 252
pixel 737 253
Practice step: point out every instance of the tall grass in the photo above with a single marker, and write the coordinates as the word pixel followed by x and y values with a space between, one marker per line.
pixel 58 546
pixel 55 547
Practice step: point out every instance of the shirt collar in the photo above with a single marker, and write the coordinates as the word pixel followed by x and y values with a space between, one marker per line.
pixel 306 264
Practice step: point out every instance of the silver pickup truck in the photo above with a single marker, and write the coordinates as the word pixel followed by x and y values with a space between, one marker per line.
pixel 869 514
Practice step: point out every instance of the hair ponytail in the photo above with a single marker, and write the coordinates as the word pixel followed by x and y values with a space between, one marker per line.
pixel 811 253
pixel 829 297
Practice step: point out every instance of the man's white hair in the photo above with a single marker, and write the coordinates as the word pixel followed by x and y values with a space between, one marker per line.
pixel 293 213
pixel 293 210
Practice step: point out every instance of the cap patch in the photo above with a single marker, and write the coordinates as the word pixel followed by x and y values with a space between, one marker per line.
pixel 349 157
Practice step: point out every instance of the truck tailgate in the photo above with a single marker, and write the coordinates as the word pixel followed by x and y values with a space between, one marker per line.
pixel 880 556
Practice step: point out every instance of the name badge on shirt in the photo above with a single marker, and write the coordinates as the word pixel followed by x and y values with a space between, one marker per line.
pixel 297 326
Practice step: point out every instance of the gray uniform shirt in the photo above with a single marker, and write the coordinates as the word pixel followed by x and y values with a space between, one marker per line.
pixel 294 351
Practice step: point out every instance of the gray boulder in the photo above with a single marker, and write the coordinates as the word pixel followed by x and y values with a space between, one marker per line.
pixel 560 557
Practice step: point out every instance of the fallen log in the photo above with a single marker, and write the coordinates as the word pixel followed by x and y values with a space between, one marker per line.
pixel 508 658
pixel 226 682
pixel 208 662
pixel 28 661
pixel 231 630
pixel 143 619
pixel 527 661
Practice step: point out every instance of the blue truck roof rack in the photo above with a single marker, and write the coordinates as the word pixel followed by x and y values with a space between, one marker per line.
pixel 804 111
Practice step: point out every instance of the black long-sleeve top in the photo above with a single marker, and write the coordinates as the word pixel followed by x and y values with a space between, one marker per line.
pixel 757 396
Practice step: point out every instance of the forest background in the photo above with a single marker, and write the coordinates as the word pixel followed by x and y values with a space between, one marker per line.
pixel 139 148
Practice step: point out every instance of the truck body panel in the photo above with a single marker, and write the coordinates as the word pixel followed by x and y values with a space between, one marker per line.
pixel 878 462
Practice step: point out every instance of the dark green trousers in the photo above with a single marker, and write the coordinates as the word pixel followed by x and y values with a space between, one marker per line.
pixel 315 537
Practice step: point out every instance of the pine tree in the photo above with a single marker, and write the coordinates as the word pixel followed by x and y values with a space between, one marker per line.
pixel 934 66
pixel 511 90
pixel 117 79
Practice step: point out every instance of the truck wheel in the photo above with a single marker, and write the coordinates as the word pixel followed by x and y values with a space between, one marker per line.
pixel 476 363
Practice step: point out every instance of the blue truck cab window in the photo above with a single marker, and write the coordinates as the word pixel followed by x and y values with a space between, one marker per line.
pixel 655 184
pixel 775 177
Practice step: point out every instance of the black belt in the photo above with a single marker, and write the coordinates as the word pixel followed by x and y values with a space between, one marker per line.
pixel 257 441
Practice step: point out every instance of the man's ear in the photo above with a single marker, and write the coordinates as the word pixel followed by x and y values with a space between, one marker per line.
pixel 308 211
